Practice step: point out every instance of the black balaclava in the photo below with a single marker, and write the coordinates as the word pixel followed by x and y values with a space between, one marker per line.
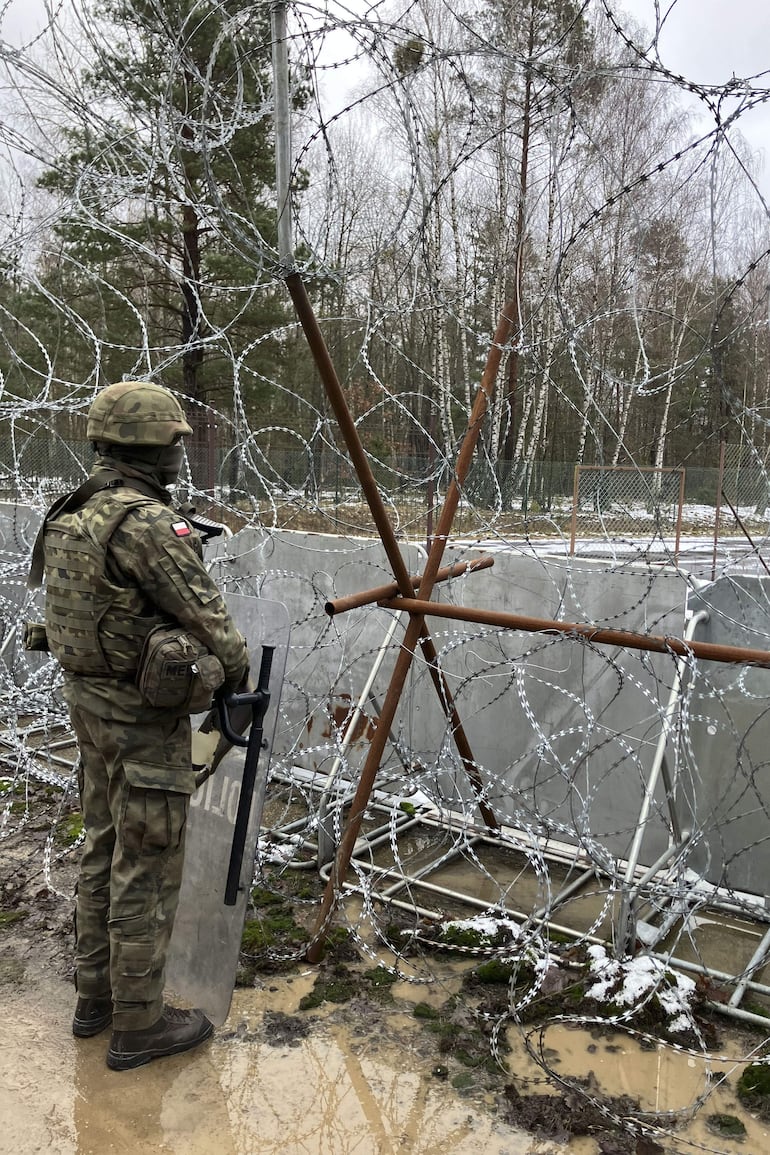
pixel 158 464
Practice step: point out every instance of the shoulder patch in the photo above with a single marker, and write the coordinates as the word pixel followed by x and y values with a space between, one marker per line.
pixel 181 529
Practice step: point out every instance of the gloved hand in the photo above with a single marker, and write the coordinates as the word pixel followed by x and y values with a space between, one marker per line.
pixel 241 683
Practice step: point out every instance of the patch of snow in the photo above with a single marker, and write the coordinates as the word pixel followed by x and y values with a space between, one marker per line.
pixel 637 978
pixel 278 853
pixel 607 972
pixel 485 925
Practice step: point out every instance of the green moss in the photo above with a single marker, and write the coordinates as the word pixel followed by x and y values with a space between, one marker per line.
pixel 380 980
pixel 399 937
pixel 287 886
pixel 468 1043
pixel 447 1033
pixel 339 945
pixel 575 993
pixel 408 808
pixel 283 923
pixel 495 971
pixel 754 1088
pixel 256 937
pixel 10 917
pixel 338 991
pixel 337 987
pixel 463 1081
pixel 340 985
pixel 261 898
pixel 259 934
pixel 756 1008
pixel 69 829
pixel 727 1125
pixel 464 936
pixel 559 938
pixel 311 1001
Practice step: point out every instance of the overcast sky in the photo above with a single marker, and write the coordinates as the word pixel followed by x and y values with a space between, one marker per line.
pixel 708 41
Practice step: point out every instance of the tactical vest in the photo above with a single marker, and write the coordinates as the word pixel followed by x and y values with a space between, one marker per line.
pixel 95 627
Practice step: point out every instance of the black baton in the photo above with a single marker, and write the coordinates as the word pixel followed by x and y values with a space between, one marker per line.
pixel 259 700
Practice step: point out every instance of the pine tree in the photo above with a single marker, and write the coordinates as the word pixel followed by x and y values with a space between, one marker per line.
pixel 167 180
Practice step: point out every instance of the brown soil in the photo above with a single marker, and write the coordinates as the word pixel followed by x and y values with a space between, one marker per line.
pixel 435 1042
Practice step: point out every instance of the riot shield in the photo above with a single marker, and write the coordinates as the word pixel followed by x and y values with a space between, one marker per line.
pixel 203 953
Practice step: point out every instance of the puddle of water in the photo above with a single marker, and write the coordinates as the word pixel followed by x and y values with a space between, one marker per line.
pixel 662 1080
pixel 339 1092
pixel 718 941
pixel 332 1095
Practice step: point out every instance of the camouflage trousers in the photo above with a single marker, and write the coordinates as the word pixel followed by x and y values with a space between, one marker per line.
pixel 135 784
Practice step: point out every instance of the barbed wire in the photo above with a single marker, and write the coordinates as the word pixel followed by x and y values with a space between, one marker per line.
pixel 449 163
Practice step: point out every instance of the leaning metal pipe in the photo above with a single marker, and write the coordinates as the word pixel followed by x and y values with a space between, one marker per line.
pixel 626 920
pixel 706 651
pixel 416 632
pixel 348 429
pixel 366 597
pixel 758 959
pixel 326 844
pixel 660 750
pixel 363 469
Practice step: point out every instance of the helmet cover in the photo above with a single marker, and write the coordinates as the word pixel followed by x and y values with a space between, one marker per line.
pixel 136 413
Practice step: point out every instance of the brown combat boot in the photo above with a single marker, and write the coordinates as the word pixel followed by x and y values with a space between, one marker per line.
pixel 174 1032
pixel 91 1016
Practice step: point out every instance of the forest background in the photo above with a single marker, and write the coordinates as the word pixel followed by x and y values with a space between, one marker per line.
pixel 446 161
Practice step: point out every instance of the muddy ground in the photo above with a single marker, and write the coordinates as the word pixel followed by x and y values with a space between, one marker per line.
pixel 345 1056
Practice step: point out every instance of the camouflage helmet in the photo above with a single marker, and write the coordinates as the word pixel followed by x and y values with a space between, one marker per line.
pixel 136 413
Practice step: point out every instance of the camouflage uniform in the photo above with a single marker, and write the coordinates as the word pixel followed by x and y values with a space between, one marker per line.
pixel 136 774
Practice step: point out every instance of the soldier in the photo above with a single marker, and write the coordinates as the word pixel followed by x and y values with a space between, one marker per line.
pixel 119 563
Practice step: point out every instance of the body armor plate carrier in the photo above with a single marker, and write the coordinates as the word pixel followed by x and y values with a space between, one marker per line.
pixel 95 627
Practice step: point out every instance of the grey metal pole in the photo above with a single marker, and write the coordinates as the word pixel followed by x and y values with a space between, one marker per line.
pixel 282 123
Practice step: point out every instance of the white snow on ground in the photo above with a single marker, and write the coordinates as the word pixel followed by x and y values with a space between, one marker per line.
pixel 629 981
pixel 485 925
pixel 624 982
pixel 278 853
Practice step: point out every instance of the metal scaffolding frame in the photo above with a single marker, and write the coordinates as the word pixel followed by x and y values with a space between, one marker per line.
pixel 412 596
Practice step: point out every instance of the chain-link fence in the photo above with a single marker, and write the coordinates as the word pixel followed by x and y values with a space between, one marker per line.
pixel 641 505
pixel 548 498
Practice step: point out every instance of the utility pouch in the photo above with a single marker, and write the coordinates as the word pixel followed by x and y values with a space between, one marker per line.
pixel 35 637
pixel 177 672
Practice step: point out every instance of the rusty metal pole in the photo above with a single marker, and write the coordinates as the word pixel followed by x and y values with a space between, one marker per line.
pixel 385 529
pixel 416 631
pixel 745 532
pixel 678 533
pixel 467 450
pixel 655 643
pixel 573 532
pixel 377 593
pixel 348 429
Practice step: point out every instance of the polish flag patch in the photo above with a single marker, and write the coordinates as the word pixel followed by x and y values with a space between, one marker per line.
pixel 181 529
